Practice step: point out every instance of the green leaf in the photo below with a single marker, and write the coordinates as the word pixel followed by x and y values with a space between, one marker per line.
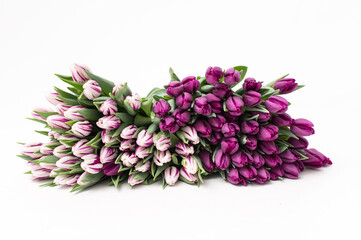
pixel 138 131
pixel 141 176
pixel 105 85
pixel 129 109
pixel 173 76
pixel 90 114
pixel 42 132
pixel 215 152
pixel 160 169
pixel 95 139
pixel 285 131
pixel 74 90
pixel 93 177
pixel 223 174
pixel 37 120
pixel 115 180
pixel 119 129
pixel 122 93
pixel 25 157
pixel 70 101
pixel 125 117
pixel 153 167
pixel 69 80
pixel 147 106
pixel 49 184
pixel 206 88
pixel 46 114
pixel 142 120
pixel 273 82
pixel 154 126
pixel 259 108
pixel 65 94
pixel 49 159
pixel 175 159
pixel 82 100
pixel 242 70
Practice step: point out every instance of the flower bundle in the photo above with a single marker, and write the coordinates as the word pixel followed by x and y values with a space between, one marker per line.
pixel 192 128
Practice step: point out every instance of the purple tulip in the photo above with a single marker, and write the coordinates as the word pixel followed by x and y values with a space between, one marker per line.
pixel 31 149
pixel 111 169
pixel 203 128
pixel 67 162
pixel 92 89
pixel 128 132
pixel 258 160
pixel 213 75
pixel 107 137
pixel 145 139
pixel 300 165
pixel 230 118
pixel 272 160
pixel 248 172
pixel 182 117
pixel 144 167
pixel 169 123
pixel 290 170
pixel 81 148
pixel 127 145
pixel 61 108
pixel 263 175
pixel 184 100
pixel 171 175
pixel 174 89
pixel 108 154
pixel 217 122
pixel 251 142
pixel 276 172
pixel 250 84
pixel 268 147
pixel 234 105
pixel 134 100
pixel 234 177
pixel 202 107
pixel 229 145
pixel 161 142
pixel 82 129
pixel 190 163
pixel 232 76
pixel 188 176
pixel 190 84
pixel 285 85
pixel 251 98
pixel 116 89
pixel 262 117
pixel 302 127
pixel 66 180
pixel 250 127
pixel 62 150
pixel 53 98
pixel 78 72
pixel 289 156
pixel 222 160
pixel 190 133
pixel 109 122
pixel 161 108
pixel 230 129
pixel 109 107
pixel 160 157
pixel 300 143
pixel 142 152
pixel 241 158
pixel 206 159
pixel 72 113
pixel 267 132
pixel 58 121
pixel 276 104
pixel 214 102
pixel 315 159
pixel 184 149
pixel 129 159
pixel 282 120
pixel 91 164
pixel 215 138
pixel 221 90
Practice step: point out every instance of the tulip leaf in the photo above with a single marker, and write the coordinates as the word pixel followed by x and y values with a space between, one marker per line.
pixel 84 101
pixel 45 114
pixel 142 120
pixel 74 90
pixel 49 159
pixel 70 101
pixel 42 132
pixel 153 168
pixel 259 108
pixel 105 85
pixel 64 94
pixel 141 176
pixel 49 184
pixel 173 76
pixel 223 174
pixel 90 114
pixel 53 145
pixel 93 177
pixel 214 153
pixel 95 139
pixel 25 157
pixel 154 126
pixel 69 80
pixel 242 70
pixel 119 130
pixel 285 131
pixel 147 106
pixel 206 88
pixel 270 84
pixel 125 117
pixel 129 109
pixel 122 93
pixel 135 135
pixel 175 159
pixel 185 180
pixel 160 169
pixel 115 180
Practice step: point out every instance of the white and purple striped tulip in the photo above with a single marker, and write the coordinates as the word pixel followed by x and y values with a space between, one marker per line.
pixel 135 101
pixel 53 98
pixel 127 145
pixel 190 163
pixel 188 176
pixel 129 159
pixel 107 137
pixel 53 172
pixel 160 158
pixel 61 108
pixel 144 167
pixel 66 180
pixel 78 72
pixel 29 149
pixel 81 148
pixel 65 137
pixel 61 151
pixel 67 162
pixel 109 122
pixel 128 132
pixel 49 166
pixel 145 139
pixel 58 121
pixel 142 152
pixel 40 109
pixel 108 154
pixel 171 175
pixel 109 107
pixel 132 181
pixel 161 142
pixel 91 163
pixel 82 129
pixel 184 149
pixel 44 149
pixel 53 135
pixel 81 178
pixel 72 113
pixel 190 133
pixel 91 89
pixel 116 88
pixel 38 172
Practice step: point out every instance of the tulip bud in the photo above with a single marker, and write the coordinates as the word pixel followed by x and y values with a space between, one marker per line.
pixel 258 160
pixel 109 107
pixel 161 108
pixel 109 122
pixel 58 121
pixel 232 76
pixel 182 117
pixel 251 142
pixel 116 88
pixel 248 172
pixel 202 107
pixel 300 165
pixel 214 102
pixel 144 167
pixel 171 175
pixel 302 127
pixel 91 163
pixel 222 160
pixel 78 72
pixel 53 135
pixel 215 138
pixel 174 89
pixel 276 104
pixel 81 178
pixel 188 176
pixel 61 108
pixel 184 149
pixel 262 175
pixel 268 147
pixel 108 154
pixel 203 128
pixel 230 117
pixel 161 142
pixel 82 129
pixel 262 117
pixel 282 120
pixel 229 145
pixel 127 145
pixel 230 129
pixel 67 139
pixel 234 177
pixel 276 172
pixel 132 181
pixel 92 89
pixel 107 137
pixel 250 84
pixel 213 75
pixel 300 143
pixel 44 149
pixel 49 166
pixel 111 169
pixel 190 84
pixel 62 151
pixel 29 149
pixel 128 132
pixel 67 162
pixel 142 152
pixel 290 170
pixel 272 160
pixel 290 156
pixel 40 109
pixel 234 105
pixel 190 133
pixel 53 98
pixel 145 139
pixel 267 132
pixel 315 159
pixel 81 148
pixel 221 90
pixel 217 122
pixel 240 159
pixel 72 113
pixel 135 101
pixel 206 159
pixel 184 100
pixel 66 180
pixel 39 172
pixel 251 98
pixel 160 158
pixel 129 159
pixel 250 127
pixel 285 85
pixel 169 123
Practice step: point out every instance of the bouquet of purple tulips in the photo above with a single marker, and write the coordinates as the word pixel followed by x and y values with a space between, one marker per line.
pixel 190 129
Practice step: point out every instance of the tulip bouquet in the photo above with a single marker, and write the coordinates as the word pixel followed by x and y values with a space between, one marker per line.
pixel 185 131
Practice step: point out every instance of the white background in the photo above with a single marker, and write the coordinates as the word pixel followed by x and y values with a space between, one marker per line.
pixel 318 42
